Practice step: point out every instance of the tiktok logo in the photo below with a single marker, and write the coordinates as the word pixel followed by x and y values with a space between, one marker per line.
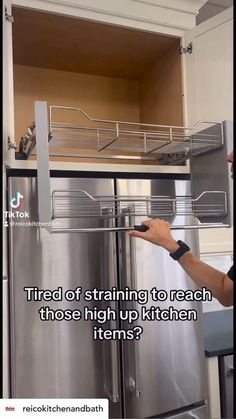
pixel 15 202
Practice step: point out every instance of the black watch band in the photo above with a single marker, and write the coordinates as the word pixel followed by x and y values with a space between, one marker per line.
pixel 183 248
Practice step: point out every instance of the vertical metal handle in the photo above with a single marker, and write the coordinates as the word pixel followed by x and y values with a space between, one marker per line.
pixel 133 273
pixel 110 277
pixel 114 396
pixel 114 343
pixel 230 370
pixel 133 270
pixel 129 279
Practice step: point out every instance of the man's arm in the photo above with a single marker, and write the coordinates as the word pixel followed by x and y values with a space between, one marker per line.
pixel 202 274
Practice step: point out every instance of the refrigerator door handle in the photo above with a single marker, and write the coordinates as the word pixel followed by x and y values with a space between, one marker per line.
pixel 109 279
pixel 114 343
pixel 230 370
pixel 133 270
pixel 130 258
pixel 114 396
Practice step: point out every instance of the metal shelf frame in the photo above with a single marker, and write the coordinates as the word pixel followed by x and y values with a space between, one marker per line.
pixel 131 137
pixel 79 204
pixel 122 140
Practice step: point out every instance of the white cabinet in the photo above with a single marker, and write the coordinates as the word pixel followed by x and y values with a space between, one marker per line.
pixel 170 16
pixel 119 61
pixel 142 37
pixel 211 69
pixel 211 86
pixel 212 369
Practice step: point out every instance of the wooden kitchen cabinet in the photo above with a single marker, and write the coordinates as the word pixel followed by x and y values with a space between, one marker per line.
pixel 108 72
pixel 118 60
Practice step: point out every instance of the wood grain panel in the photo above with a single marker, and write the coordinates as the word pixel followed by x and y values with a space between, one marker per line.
pixel 109 72
pixel 53 41
pixel 100 97
pixel 161 91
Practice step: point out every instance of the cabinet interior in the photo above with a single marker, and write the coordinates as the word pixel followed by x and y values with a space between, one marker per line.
pixel 108 71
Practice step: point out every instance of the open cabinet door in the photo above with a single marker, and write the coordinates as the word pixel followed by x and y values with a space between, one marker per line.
pixel 209 70
pixel 8 109
pixel 8 154
pixel 209 89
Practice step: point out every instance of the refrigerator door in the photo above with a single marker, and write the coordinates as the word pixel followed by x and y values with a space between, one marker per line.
pixel 163 371
pixel 60 359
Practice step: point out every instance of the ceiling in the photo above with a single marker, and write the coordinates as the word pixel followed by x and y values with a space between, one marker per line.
pixel 70 44
pixel 212 8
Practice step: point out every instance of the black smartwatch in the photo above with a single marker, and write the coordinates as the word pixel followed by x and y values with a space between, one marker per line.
pixel 183 248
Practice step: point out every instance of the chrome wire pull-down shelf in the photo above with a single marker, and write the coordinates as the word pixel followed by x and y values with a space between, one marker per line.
pixel 87 137
pixel 80 204
pixel 150 139
pixel 130 137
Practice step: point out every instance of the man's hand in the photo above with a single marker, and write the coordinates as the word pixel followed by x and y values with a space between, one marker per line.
pixel 158 233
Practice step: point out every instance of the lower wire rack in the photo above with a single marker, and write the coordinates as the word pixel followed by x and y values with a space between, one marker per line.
pixel 80 204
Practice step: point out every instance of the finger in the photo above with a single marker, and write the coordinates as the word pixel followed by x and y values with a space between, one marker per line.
pixel 147 223
pixel 138 234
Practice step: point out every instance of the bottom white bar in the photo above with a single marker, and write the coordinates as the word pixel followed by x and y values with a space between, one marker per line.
pixel 54 408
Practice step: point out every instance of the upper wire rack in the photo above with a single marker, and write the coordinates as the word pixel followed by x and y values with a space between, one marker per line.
pixel 100 135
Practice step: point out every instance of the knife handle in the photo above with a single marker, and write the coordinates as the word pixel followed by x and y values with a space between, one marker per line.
pixel 142 228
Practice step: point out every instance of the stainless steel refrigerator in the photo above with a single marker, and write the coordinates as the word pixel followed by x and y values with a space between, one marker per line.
pixel 159 375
